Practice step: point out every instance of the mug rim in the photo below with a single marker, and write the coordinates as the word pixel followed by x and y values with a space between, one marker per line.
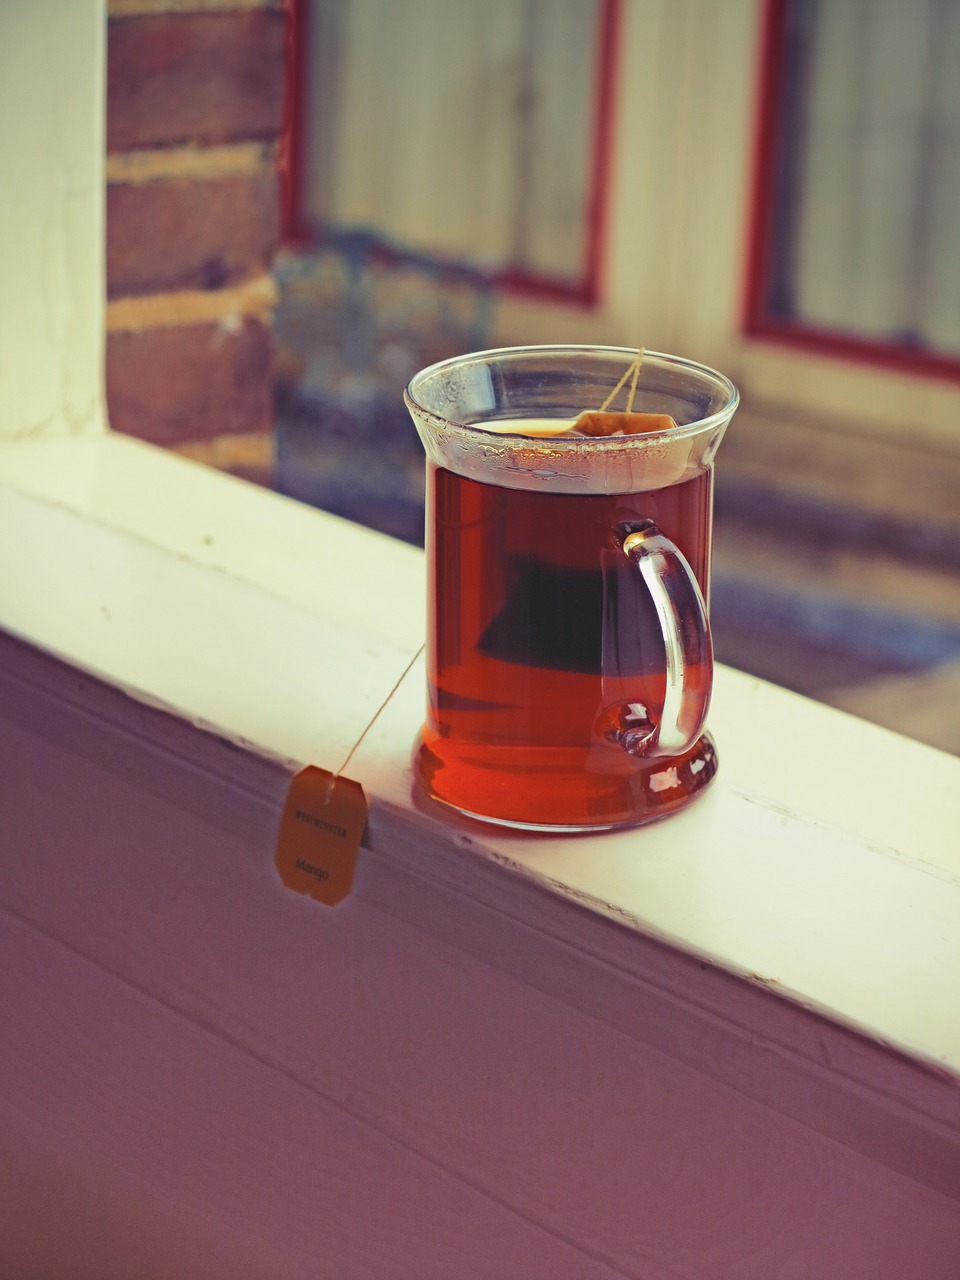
pixel 718 418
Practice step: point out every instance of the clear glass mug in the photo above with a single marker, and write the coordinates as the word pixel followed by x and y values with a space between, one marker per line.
pixel 569 655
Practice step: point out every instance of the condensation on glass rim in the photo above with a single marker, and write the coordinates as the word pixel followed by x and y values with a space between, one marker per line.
pixel 458 396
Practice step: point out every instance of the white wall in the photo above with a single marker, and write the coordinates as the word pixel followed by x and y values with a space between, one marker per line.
pixel 52 94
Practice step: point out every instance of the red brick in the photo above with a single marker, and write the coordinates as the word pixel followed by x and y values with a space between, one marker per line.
pixel 188 233
pixel 194 77
pixel 190 382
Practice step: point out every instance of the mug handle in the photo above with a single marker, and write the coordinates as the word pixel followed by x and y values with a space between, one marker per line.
pixel 682 615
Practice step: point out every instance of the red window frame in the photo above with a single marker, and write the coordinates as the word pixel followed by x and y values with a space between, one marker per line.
pixel 296 229
pixel 756 321
pixel 290 160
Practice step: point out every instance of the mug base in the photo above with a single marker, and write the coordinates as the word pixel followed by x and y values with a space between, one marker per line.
pixel 553 790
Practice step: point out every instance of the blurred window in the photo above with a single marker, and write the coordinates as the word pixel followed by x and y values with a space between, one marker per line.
pixel 493 108
pixel 858 201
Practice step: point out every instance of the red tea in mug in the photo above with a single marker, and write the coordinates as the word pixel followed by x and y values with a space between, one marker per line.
pixel 542 639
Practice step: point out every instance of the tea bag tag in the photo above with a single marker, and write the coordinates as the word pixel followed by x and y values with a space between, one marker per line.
pixel 321 827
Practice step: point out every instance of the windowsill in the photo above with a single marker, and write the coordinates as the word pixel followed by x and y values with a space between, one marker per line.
pixel 156 566
pixel 809 903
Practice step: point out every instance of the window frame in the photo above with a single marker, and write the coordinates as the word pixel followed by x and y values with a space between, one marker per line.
pixel 299 230
pixel 757 322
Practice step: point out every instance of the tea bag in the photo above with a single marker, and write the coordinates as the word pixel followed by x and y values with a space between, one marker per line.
pixel 563 619
pixel 599 422
pixel 595 622
pixel 551 618
pixel 613 422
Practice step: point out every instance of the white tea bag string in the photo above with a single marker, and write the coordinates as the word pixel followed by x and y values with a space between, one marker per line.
pixel 633 372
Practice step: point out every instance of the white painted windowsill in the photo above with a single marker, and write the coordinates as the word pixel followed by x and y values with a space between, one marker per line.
pixel 807 909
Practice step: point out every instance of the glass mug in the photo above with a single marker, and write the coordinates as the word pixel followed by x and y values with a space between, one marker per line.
pixel 569 655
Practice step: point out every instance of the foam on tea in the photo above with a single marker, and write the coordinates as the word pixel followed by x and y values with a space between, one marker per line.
pixel 592 422
pixel 535 428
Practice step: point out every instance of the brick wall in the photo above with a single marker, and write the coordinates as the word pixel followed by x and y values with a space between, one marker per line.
pixel 194 114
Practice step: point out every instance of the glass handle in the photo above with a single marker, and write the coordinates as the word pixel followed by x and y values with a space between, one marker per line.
pixel 682 615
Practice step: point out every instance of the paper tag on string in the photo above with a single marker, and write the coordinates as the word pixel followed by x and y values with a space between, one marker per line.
pixel 322 824
pixel 321 827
